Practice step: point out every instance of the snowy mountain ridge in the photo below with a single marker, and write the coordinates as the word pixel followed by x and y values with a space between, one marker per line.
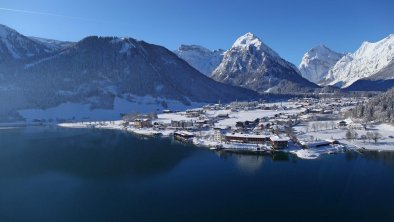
pixel 251 64
pixel 51 43
pixel 14 45
pixel 316 63
pixel 249 39
pixel 98 71
pixel 201 58
pixel 368 60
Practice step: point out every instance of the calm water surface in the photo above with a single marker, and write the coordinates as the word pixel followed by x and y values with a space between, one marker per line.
pixel 52 174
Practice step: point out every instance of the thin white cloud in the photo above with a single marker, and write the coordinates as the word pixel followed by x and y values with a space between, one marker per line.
pixel 45 14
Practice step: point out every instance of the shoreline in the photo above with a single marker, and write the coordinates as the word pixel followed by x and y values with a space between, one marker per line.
pixel 306 154
pixel 293 149
pixel 305 127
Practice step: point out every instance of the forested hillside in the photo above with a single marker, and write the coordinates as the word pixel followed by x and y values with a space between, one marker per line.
pixel 380 108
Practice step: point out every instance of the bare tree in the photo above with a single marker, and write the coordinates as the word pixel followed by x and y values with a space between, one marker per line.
pixel 326 125
pixel 318 126
pixel 314 127
pixel 125 124
pixel 290 132
pixel 364 138
pixel 277 131
pixel 321 126
pixel 354 134
pixel 369 136
pixel 348 135
pixel 332 123
pixel 376 136
pixel 351 134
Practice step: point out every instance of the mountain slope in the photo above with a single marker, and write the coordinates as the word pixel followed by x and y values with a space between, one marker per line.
pixel 316 63
pixel 377 109
pixel 251 64
pixel 381 81
pixel 202 59
pixel 51 44
pixel 14 45
pixel 368 60
pixel 97 70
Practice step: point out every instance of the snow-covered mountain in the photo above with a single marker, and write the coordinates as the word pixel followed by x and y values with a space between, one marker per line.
pixel 381 81
pixel 52 44
pixel 100 73
pixel 202 59
pixel 14 45
pixel 316 63
pixel 251 64
pixel 369 60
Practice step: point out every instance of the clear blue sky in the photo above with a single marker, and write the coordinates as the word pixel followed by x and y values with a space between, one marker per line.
pixel 290 27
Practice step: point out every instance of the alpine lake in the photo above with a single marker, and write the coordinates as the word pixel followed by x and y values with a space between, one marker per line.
pixel 58 174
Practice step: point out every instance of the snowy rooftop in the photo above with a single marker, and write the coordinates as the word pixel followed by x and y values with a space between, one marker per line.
pixel 279 138
pixel 246 135
pixel 315 143
pixel 185 133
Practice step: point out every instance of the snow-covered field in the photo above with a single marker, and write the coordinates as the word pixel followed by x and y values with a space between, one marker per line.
pixel 386 143
pixel 251 116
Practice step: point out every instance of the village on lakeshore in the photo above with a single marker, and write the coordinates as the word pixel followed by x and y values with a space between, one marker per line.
pixel 306 127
